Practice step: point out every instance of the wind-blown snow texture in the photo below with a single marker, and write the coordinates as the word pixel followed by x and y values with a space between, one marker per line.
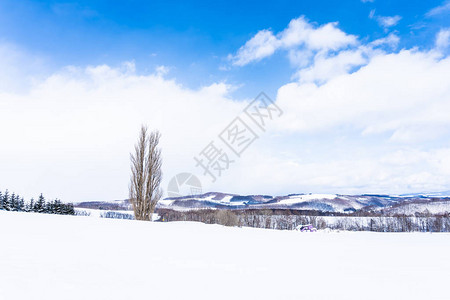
pixel 69 257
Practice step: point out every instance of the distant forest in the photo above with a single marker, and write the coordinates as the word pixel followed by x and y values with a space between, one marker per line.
pixel 13 202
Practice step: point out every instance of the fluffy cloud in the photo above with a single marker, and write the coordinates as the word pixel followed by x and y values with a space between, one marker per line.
pixel 321 66
pixel 299 33
pixel 326 37
pixel 70 134
pixel 326 67
pixel 358 118
pixel 319 52
pixel 380 116
pixel 404 94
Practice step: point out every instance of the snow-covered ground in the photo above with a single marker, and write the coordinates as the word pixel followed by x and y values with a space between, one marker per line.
pixel 71 257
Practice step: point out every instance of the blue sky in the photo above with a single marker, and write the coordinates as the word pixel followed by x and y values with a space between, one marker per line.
pixel 195 37
pixel 364 87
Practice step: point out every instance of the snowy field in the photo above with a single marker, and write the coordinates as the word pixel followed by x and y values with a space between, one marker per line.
pixel 72 257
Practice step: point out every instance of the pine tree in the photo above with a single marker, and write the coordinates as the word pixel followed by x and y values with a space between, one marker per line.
pixel 49 207
pixel 12 202
pixel 68 209
pixel 40 204
pixel 21 206
pixel 31 205
pixel 58 207
pixel 15 202
pixel 5 201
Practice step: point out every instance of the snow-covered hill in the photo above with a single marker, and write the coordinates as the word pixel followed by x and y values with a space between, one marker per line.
pixel 47 257
pixel 422 206
pixel 319 202
pixel 329 203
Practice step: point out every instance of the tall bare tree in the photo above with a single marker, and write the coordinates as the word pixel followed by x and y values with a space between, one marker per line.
pixel 146 175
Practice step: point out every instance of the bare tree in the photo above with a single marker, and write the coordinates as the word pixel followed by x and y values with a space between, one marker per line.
pixel 146 175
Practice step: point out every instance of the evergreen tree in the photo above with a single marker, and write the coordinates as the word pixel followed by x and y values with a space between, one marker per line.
pixel 49 207
pixel 5 201
pixel 21 206
pixel 40 204
pixel 57 207
pixel 31 205
pixel 14 202
pixel 68 209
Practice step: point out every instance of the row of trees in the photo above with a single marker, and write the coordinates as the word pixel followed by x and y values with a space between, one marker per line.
pixel 116 215
pixel 274 219
pixel 13 202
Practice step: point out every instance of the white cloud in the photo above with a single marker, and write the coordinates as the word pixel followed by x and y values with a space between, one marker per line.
pixel 404 95
pixel 324 168
pixel 358 119
pixel 296 33
pixel 77 127
pixel 378 127
pixel 299 33
pixel 70 135
pixel 385 21
pixel 391 40
pixel 326 67
pixel 162 70
pixel 262 45
pixel 323 65
pixel 388 21
pixel 300 58
pixel 18 68
pixel 319 52
pixel 441 9
pixel 329 37
pixel 443 39
pixel 325 37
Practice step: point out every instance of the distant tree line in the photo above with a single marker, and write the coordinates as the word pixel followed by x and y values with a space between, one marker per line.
pixel 290 219
pixel 101 205
pixel 116 215
pixel 13 202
